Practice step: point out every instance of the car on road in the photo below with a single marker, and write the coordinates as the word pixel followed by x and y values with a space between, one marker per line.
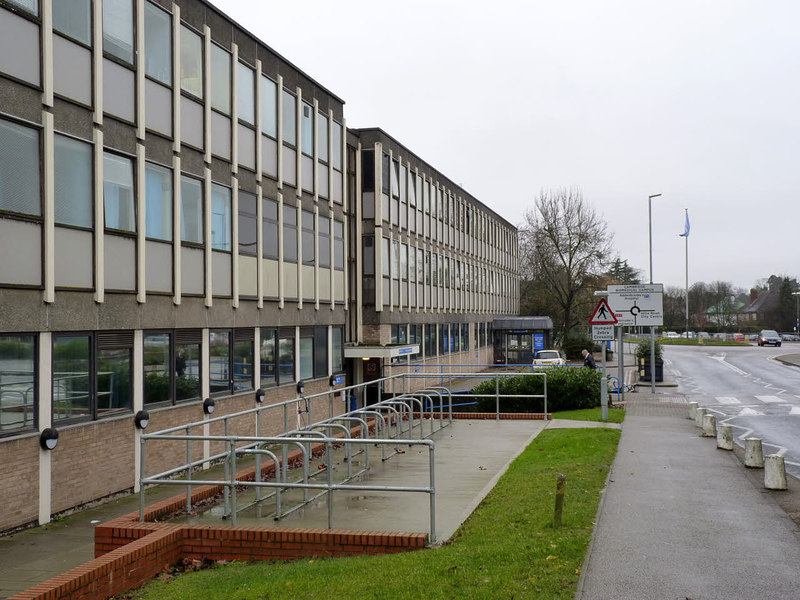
pixel 769 337
pixel 546 358
pixel 790 337
pixel 739 337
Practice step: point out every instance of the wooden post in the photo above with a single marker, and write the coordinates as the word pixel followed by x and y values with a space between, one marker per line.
pixel 561 486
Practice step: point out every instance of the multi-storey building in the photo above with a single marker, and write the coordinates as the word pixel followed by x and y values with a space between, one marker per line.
pixel 184 216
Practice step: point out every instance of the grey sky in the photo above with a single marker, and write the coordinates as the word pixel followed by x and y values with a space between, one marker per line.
pixel 695 100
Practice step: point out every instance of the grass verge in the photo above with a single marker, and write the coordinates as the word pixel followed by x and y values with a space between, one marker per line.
pixel 506 549
pixel 615 415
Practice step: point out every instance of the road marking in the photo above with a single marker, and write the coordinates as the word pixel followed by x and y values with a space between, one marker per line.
pixel 770 399
pixel 795 410
pixel 721 360
pixel 749 412
pixel 728 400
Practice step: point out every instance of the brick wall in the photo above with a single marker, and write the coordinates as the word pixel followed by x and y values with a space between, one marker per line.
pixel 19 481
pixel 91 461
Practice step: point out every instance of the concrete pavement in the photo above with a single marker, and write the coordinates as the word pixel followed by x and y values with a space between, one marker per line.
pixel 682 519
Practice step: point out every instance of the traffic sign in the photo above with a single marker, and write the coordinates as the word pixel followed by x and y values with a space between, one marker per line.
pixel 639 304
pixel 603 315
pixel 602 333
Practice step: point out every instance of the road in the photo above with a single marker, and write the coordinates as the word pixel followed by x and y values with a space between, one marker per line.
pixel 747 388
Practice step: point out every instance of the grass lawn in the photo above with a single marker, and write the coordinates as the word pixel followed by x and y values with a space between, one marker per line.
pixel 506 549
pixel 615 415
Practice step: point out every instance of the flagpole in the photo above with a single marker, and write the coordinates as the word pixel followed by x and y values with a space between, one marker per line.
pixel 686 239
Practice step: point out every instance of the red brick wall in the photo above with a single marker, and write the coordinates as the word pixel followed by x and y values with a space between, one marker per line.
pixel 91 461
pixel 19 481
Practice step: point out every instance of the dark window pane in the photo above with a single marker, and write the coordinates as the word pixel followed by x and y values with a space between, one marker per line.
pixel 187 371
pixel 243 365
pixel 157 368
pixel 269 369
pixel 320 351
pixel 17 382
pixel 113 381
pixel 71 386
pixel 286 357
pixel 219 347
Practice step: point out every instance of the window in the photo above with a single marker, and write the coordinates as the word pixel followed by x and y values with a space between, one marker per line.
pixel 73 18
pixel 404 262
pixel 191 62
pixel 220 218
pixel 464 337
pixel 191 210
pixel 337 349
pixel 73 182
pixel 338 245
pixel 243 361
pixel 386 258
pixel 444 339
pixel 246 94
pixel 285 355
pixel 395 259
pixel 306 353
pixel 289 234
pixel 320 351
pixel 308 237
pixel 31 6
pixel 430 340
pixel 231 366
pixel 248 222
pixel 19 169
pixel 386 178
pixel 158 197
pixel 269 365
pixel 324 242
pixel 322 137
pixel 337 146
pixel 270 228
pixel 91 374
pixel 307 129
pixel 118 29
pixel 118 192
pixel 289 118
pixel 220 79
pixel 367 171
pixel 219 362
pixel 157 43
pixel 158 380
pixel 18 379
pixel 188 353
pixel 269 107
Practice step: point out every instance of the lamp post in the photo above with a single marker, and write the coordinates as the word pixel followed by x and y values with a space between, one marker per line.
pixel 797 322
pixel 652 329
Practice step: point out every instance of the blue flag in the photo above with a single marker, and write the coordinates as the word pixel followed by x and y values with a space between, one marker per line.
pixel 686 230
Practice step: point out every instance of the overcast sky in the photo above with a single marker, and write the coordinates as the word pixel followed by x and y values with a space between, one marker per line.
pixel 698 101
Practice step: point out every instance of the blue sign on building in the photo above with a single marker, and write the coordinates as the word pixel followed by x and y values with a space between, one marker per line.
pixel 538 341
pixel 402 351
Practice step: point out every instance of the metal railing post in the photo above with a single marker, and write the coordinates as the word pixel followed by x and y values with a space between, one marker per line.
pixel 141 476
pixel 189 470
pixel 233 481
pixel 432 463
pixel 329 458
pixel 284 447
pixel 496 397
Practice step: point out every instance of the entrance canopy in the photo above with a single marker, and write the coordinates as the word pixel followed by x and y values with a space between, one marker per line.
pixel 515 339
pixel 380 351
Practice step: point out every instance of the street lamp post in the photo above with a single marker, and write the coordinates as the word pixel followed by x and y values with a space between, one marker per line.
pixel 652 329
pixel 797 322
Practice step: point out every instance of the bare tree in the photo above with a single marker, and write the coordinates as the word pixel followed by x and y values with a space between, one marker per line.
pixel 564 244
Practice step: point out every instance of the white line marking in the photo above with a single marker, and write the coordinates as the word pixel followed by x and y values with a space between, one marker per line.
pixel 728 400
pixel 749 412
pixel 795 410
pixel 769 399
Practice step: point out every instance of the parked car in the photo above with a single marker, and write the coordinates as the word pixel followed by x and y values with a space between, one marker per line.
pixel 547 358
pixel 689 335
pixel 672 335
pixel 769 337
pixel 739 337
pixel 790 337
pixel 703 334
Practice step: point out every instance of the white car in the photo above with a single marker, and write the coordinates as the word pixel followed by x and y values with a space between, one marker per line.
pixel 672 335
pixel 548 357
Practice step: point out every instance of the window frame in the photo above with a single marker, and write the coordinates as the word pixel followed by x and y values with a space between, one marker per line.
pixel 34 390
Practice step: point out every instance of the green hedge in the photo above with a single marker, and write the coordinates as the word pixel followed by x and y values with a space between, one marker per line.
pixel 568 388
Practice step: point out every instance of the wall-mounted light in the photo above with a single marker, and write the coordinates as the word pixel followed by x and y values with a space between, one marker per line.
pixel 301 387
pixel 141 419
pixel 48 438
pixel 365 358
pixel 208 406
pixel 260 395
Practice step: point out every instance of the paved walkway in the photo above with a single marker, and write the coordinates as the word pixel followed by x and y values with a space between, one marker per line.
pixel 681 519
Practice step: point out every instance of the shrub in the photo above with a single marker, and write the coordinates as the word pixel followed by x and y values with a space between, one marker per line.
pixel 568 388
pixel 575 342
pixel 643 351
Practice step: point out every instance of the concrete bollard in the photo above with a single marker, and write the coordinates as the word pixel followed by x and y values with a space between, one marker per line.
pixel 710 426
pixel 725 437
pixel 692 410
pixel 701 412
pixel 753 455
pixel 775 473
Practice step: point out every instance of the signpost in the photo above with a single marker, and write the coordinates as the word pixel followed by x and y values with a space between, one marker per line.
pixel 637 305
pixel 602 322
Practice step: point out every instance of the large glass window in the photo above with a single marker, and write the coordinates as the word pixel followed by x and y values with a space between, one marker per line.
pixel 18 380
pixel 248 224
pixel 158 197
pixel 71 376
pixel 307 129
pixel 219 372
pixel 113 380
pixel 220 79
pixel 336 161
pixel 19 169
pixel 322 137
pixel 337 349
pixel 118 28
pixel 289 233
pixel 320 351
pixel 73 182
pixel 73 18
pixel 157 367
pixel 269 228
pixel 118 194
pixel 338 245
pixel 191 62
pixel 246 94
pixel 157 43
pixel 191 210
pixel 289 118
pixel 306 353
pixel 187 364
pixel 243 361
pixel 308 237
pixel 269 107
pixel 268 354
pixel 286 355
pixel 220 218
pixel 324 242
pixel 31 6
